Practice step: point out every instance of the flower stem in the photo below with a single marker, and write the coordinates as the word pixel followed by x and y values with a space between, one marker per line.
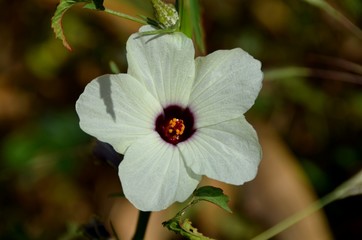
pixel 283 225
pixel 125 16
pixel 143 218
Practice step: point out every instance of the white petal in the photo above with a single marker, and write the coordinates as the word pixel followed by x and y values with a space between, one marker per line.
pixel 153 174
pixel 228 152
pixel 164 64
pixel 117 109
pixel 226 86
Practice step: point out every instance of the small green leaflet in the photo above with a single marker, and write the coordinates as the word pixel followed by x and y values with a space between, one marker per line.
pixel 63 6
pixel 213 195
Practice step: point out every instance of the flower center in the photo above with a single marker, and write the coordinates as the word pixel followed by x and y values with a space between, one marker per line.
pixel 175 124
pixel 175 128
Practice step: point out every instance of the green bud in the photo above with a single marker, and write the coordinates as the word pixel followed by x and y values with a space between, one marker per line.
pixel 165 13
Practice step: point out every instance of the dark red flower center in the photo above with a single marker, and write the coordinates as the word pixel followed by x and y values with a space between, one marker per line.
pixel 175 124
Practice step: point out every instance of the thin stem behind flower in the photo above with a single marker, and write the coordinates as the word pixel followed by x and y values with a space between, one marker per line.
pixel 125 16
pixel 143 218
pixel 337 15
pixel 288 222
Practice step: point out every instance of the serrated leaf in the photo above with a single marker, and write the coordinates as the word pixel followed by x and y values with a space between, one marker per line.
pixel 57 26
pixel 214 195
pixel 62 8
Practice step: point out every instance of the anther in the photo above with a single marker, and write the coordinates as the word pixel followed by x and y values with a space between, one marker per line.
pixel 175 128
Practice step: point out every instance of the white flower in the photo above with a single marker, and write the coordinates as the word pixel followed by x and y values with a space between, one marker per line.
pixel 175 118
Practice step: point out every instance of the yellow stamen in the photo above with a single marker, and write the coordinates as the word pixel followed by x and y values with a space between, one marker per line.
pixel 175 128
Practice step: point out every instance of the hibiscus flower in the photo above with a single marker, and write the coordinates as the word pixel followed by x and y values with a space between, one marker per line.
pixel 175 118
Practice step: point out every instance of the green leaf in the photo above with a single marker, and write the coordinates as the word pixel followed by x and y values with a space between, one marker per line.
pixel 189 12
pixel 62 8
pixel 196 24
pixel 183 8
pixel 184 227
pixel 213 195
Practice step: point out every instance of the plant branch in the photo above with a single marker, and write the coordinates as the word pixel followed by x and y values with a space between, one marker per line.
pixel 125 16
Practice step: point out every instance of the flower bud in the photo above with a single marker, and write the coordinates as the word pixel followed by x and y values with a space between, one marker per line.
pixel 165 13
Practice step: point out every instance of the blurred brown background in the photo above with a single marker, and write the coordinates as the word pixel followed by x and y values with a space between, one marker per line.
pixel 309 118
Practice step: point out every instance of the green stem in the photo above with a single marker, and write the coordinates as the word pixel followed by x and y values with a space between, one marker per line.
pixel 125 16
pixel 283 225
pixel 143 218
pixel 337 15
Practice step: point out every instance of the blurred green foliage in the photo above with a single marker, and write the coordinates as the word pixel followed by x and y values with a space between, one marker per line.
pixel 52 139
pixel 43 151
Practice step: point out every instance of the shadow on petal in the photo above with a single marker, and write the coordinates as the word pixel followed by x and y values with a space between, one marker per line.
pixel 105 93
